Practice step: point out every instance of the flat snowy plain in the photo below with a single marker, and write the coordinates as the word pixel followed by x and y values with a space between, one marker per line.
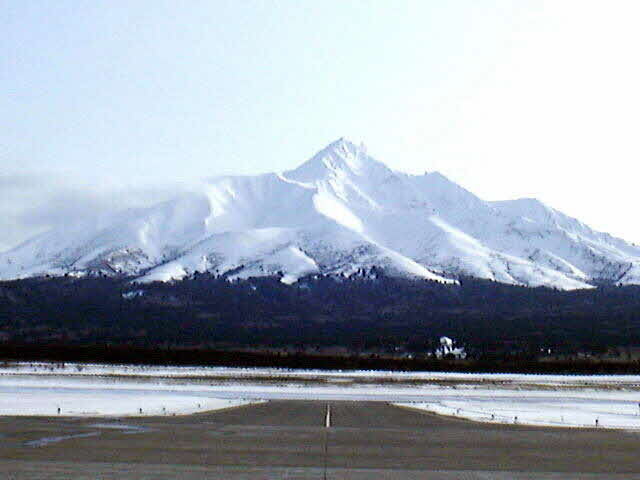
pixel 608 401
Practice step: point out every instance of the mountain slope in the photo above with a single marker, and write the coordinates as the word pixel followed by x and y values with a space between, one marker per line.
pixel 340 212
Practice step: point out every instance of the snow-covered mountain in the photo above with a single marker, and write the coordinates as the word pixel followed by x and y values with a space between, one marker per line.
pixel 339 212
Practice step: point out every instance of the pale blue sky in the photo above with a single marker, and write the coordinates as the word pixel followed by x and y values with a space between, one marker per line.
pixel 107 103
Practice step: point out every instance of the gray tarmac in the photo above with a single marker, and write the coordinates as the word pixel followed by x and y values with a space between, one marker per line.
pixel 290 440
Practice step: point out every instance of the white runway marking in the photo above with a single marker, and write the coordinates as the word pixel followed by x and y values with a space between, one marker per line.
pixel 327 420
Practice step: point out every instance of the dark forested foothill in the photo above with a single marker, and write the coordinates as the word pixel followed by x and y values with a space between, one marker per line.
pixel 367 315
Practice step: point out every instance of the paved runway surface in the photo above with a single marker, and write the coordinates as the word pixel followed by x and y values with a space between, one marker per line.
pixel 290 440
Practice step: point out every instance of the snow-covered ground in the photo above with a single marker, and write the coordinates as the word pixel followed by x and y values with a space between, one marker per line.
pixel 89 390
pixel 592 408
pixel 150 372
pixel 40 400
pixel 112 390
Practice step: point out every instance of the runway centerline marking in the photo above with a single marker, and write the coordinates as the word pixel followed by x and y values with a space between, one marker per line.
pixel 327 420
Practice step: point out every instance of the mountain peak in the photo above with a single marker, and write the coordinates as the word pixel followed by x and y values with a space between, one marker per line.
pixel 342 148
pixel 340 212
pixel 344 144
pixel 338 158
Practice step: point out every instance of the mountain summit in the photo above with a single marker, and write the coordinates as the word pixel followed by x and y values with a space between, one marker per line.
pixel 340 212
pixel 339 156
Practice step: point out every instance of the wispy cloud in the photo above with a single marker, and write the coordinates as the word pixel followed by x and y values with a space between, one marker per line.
pixel 31 204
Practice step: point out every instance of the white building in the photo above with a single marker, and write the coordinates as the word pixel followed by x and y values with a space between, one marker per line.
pixel 447 348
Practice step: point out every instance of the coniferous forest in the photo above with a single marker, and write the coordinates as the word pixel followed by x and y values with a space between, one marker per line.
pixel 368 316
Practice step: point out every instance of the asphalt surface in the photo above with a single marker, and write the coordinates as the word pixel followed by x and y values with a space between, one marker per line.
pixel 290 440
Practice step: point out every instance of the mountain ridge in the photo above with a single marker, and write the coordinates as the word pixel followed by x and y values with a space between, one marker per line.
pixel 339 212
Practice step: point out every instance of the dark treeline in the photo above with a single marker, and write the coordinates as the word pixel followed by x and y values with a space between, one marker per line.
pixel 205 357
pixel 381 316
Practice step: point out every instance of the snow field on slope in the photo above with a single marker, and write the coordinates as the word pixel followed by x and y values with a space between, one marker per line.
pixel 412 225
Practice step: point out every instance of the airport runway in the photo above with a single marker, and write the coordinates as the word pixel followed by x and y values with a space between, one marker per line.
pixel 291 440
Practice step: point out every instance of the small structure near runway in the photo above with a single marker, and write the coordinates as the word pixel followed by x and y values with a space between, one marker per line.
pixel 446 349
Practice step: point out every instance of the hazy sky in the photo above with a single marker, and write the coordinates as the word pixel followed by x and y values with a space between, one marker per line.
pixel 110 103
